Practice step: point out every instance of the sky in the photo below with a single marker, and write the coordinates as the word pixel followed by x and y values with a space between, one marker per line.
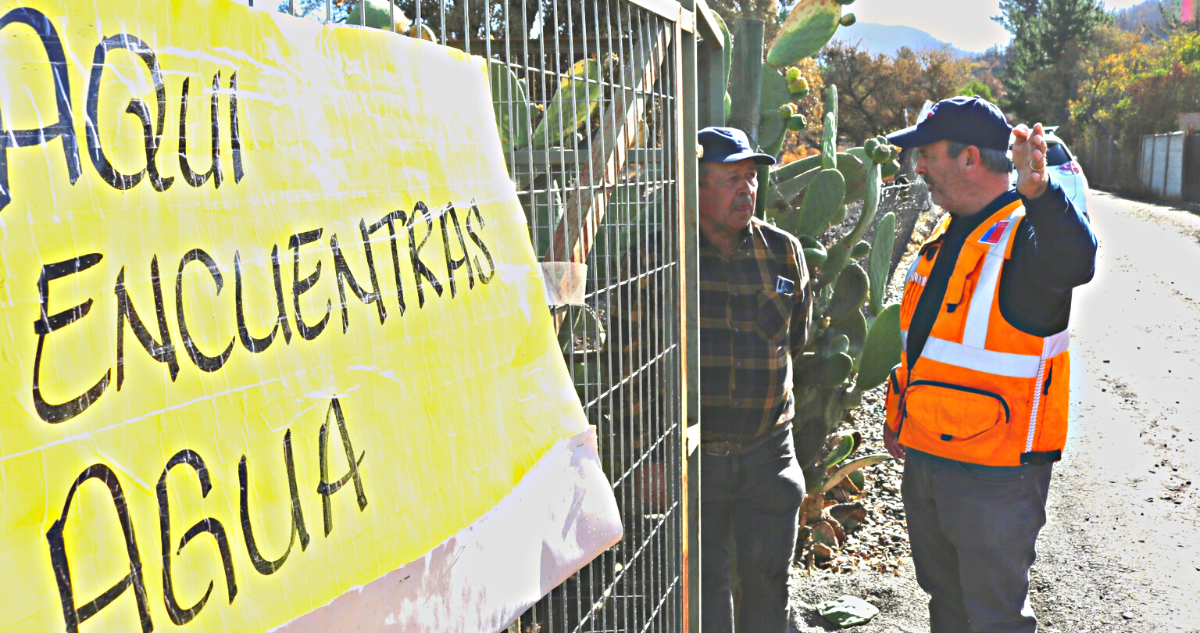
pixel 965 24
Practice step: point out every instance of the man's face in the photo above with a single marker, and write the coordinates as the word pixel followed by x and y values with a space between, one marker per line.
pixel 727 199
pixel 944 175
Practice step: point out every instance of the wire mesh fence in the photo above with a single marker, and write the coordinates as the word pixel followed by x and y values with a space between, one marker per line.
pixel 584 93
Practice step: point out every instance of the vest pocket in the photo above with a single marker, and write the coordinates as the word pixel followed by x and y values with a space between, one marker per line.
pixel 953 412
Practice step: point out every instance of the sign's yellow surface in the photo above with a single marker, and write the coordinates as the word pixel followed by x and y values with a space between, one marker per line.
pixel 272 321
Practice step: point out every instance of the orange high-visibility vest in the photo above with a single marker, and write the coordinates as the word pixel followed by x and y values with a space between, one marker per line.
pixel 982 391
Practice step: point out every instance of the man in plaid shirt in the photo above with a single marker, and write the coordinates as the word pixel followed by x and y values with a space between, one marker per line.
pixel 755 308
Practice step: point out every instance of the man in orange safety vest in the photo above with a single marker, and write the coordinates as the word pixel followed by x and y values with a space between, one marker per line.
pixel 978 405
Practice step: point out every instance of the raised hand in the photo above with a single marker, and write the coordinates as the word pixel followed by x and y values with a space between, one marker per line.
pixel 1029 157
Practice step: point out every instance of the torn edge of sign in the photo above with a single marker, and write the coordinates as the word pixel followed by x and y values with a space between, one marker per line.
pixel 565 283
pixel 560 516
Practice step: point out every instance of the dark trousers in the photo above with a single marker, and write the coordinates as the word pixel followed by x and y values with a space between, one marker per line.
pixel 973 531
pixel 752 499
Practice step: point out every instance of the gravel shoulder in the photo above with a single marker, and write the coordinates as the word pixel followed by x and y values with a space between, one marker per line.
pixel 875 564
pixel 1121 548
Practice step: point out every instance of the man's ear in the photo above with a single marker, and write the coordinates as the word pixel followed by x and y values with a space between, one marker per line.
pixel 971 158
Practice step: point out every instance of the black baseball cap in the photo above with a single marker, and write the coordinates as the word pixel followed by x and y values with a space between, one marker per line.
pixel 967 120
pixel 728 145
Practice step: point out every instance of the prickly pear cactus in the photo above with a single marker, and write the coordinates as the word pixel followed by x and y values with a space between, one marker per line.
pixel 854 340
pixel 805 31
pixel 577 97
pixel 379 15
pixel 849 352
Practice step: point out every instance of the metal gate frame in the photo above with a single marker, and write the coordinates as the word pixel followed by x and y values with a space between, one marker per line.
pixel 587 200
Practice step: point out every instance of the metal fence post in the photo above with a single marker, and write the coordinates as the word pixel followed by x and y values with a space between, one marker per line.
pixel 690 258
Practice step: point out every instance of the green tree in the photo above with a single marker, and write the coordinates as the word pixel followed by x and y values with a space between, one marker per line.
pixel 976 88
pixel 875 91
pixel 769 11
pixel 1048 38
pixel 1131 88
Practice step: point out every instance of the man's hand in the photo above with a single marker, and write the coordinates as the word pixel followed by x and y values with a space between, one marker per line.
pixel 892 443
pixel 1029 157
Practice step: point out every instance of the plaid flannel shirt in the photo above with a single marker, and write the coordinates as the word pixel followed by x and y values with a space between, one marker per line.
pixel 755 308
pixel 749 333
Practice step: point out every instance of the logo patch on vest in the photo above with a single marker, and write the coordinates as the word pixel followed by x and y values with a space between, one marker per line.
pixel 993 234
pixel 785 286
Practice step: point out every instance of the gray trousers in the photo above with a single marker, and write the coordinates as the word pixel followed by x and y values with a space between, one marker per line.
pixel 753 498
pixel 973 531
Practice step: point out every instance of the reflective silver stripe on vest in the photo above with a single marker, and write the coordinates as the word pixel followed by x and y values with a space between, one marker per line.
pixel 1056 344
pixel 980 311
pixel 988 361
pixel 982 360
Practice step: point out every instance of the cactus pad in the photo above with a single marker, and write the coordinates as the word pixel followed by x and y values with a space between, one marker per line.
pixel 880 261
pixel 779 173
pixel 854 326
pixel 822 201
pixel 834 263
pixel 578 95
pixel 773 95
pixel 829 142
pixel 882 350
pixel 814 252
pixel 849 292
pixel 845 445
pixel 839 344
pixel 379 15
pixel 510 105
pixel 834 371
pixel 805 32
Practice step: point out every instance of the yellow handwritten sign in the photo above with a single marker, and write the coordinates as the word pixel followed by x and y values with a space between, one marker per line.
pixel 273 324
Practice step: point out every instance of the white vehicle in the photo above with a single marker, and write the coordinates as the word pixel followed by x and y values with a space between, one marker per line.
pixel 1065 170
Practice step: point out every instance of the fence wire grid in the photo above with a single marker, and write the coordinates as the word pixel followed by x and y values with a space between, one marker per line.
pixel 584 93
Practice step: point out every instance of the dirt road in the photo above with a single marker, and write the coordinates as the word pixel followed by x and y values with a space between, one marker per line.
pixel 1121 550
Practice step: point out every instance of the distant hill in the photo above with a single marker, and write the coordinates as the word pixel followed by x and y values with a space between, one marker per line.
pixel 1147 14
pixel 887 39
